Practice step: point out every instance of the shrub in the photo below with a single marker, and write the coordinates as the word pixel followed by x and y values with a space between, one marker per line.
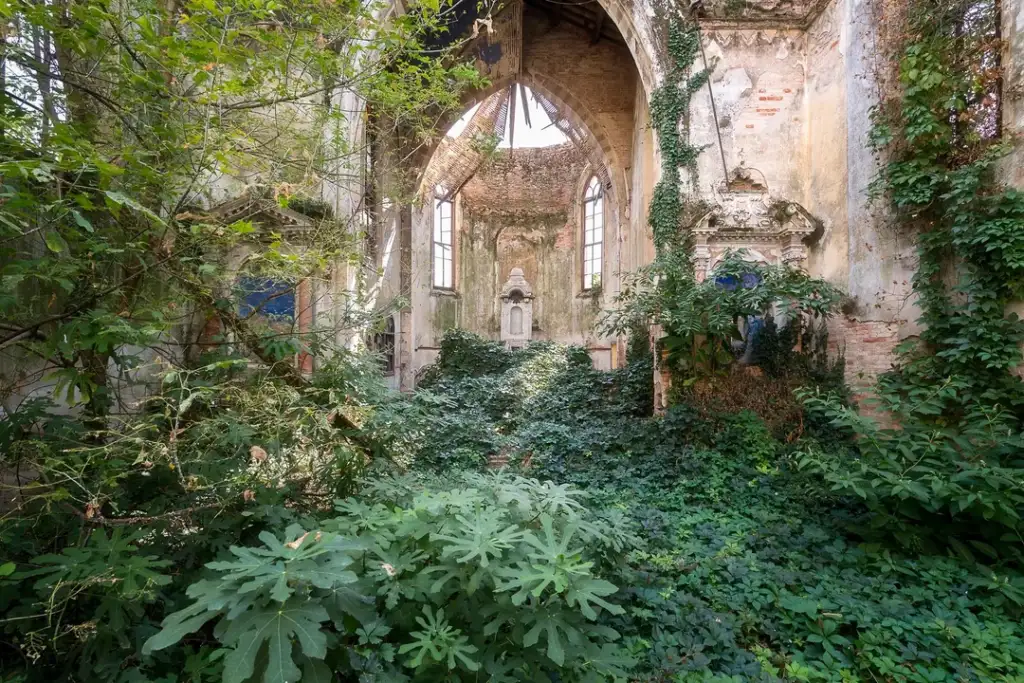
pixel 490 574
pixel 960 485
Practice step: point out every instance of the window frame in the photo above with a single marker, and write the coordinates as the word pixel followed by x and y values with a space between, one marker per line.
pixel 384 342
pixel 593 209
pixel 437 243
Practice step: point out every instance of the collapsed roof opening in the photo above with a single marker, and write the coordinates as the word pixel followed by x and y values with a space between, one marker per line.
pixel 527 121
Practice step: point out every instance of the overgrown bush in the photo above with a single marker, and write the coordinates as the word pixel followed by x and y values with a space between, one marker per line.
pixel 960 485
pixel 109 526
pixel 493 576
pixel 544 399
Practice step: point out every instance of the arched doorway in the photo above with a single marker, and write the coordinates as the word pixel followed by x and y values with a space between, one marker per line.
pixel 481 212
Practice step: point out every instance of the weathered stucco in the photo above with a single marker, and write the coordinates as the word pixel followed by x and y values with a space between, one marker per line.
pixel 793 86
pixel 524 211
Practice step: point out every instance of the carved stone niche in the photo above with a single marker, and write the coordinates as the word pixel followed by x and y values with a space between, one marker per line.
pixel 516 310
pixel 746 216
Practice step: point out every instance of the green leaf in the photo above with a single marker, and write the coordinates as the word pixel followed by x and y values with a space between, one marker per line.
pixel 315 671
pixel 280 667
pixel 82 221
pixel 54 242
pixel 275 626
pixel 174 630
pixel 121 199
pixel 239 664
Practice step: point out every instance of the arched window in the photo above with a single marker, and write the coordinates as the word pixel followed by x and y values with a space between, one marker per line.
pixel 593 233
pixel 444 263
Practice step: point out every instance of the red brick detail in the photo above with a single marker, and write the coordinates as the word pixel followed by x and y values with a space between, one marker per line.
pixel 869 347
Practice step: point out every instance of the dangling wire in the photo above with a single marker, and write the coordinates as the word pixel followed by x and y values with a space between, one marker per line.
pixel 694 6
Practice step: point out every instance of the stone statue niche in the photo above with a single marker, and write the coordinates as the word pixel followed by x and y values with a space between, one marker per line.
pixel 516 311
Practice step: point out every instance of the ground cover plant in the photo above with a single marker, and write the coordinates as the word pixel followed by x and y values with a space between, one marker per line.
pixel 243 521
pixel 746 567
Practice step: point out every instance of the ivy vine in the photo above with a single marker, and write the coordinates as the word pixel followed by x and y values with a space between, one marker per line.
pixel 670 105
pixel 941 134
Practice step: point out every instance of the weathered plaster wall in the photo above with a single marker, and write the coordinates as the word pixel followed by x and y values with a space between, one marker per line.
pixel 524 211
pixel 826 179
pixel 880 263
pixel 794 106
pixel 758 82
pixel 1013 88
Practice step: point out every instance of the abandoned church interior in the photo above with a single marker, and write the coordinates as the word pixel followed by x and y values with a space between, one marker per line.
pixel 531 238
pixel 527 210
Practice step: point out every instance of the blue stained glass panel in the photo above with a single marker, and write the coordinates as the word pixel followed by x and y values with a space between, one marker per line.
pixel 270 298
pixel 726 282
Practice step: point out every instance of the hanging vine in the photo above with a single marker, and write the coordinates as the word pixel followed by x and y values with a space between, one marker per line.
pixel 940 131
pixel 670 105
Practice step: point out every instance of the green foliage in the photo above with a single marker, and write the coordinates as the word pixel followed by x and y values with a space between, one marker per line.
pixel 670 105
pixel 961 485
pixel 544 399
pixel 113 525
pixel 701 318
pixel 950 472
pixel 116 121
pixel 424 581
pixel 939 134
pixel 749 570
pixel 179 426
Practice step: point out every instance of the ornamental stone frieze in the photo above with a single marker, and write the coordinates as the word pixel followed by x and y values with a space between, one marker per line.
pixel 744 215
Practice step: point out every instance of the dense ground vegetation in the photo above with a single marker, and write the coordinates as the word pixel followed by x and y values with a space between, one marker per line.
pixel 684 547
pixel 245 522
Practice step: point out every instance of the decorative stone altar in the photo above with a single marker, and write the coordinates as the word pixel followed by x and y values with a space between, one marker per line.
pixel 516 310
pixel 746 216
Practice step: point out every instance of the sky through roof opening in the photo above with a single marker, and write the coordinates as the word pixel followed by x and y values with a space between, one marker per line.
pixel 541 132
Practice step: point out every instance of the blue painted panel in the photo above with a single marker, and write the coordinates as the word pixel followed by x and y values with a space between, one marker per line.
pixel 730 282
pixel 726 282
pixel 268 297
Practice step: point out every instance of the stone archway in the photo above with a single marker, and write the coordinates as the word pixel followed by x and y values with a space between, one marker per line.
pixel 601 153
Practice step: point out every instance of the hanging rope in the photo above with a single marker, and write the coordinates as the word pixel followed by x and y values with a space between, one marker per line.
pixel 694 7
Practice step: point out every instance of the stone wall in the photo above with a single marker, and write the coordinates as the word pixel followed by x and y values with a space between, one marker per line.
pixel 523 210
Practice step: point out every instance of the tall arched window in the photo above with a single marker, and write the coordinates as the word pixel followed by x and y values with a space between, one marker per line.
pixel 593 233
pixel 444 263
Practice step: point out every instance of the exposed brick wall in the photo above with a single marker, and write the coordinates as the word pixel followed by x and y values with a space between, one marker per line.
pixel 598 81
pixel 532 180
pixel 869 346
